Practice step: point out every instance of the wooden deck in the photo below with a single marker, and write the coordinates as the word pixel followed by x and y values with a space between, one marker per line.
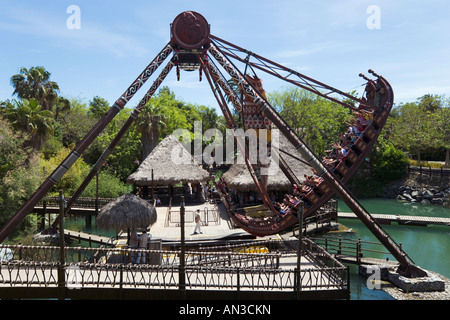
pixel 94 238
pixel 220 229
pixel 123 281
pixel 401 219
pixel 364 260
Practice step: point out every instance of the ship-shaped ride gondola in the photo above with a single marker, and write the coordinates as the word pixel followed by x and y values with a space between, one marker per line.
pixel 312 192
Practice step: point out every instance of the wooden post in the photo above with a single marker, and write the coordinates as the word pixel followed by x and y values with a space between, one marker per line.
pixel 182 275
pixel 299 249
pixel 340 245
pixel 44 204
pixel 358 252
pixel 61 272
pixel 153 187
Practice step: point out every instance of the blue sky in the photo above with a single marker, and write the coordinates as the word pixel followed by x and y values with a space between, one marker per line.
pixel 329 41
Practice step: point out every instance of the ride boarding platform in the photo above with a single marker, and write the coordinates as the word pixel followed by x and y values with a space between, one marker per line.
pixel 215 224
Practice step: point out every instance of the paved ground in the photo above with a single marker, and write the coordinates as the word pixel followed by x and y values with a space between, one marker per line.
pixel 215 229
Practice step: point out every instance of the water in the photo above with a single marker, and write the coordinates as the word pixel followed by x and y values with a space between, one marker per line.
pixel 428 247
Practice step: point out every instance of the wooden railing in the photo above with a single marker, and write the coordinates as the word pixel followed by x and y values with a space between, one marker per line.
pixel 442 172
pixel 29 266
pixel 351 247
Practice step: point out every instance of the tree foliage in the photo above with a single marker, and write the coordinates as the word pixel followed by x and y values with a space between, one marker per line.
pixel 316 120
pixel 35 83
pixel 29 117
pixel 19 171
pixel 422 127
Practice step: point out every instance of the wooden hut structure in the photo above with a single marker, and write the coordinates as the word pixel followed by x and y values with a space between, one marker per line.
pixel 239 179
pixel 126 212
pixel 168 165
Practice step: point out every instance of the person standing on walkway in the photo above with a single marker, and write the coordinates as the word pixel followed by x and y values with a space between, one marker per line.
pixel 143 242
pixel 134 243
pixel 198 221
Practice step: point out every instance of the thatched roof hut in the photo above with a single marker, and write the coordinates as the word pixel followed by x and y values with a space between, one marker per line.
pixel 126 212
pixel 171 164
pixel 239 179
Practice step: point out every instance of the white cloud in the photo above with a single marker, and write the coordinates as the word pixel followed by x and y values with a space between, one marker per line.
pixel 53 28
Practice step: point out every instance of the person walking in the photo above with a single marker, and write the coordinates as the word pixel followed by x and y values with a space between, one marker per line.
pixel 198 221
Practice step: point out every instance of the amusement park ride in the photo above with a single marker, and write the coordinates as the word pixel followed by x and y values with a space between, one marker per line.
pixel 193 48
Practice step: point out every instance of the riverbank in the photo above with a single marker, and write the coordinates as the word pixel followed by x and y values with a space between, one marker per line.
pixel 416 187
pixel 425 195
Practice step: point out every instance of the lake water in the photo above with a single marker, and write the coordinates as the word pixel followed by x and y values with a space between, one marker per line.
pixel 428 247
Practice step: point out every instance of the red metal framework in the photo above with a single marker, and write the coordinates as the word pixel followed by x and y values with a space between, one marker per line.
pixel 194 48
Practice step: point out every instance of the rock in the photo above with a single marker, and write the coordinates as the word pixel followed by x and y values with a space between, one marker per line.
pixel 415 194
pixel 438 201
pixel 424 284
pixel 407 196
pixel 427 194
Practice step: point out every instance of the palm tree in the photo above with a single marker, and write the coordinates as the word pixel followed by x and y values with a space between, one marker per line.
pixel 35 83
pixel 150 122
pixel 28 116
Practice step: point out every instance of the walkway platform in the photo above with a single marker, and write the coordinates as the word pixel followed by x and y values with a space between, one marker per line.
pixel 170 231
pixel 94 238
pixel 401 219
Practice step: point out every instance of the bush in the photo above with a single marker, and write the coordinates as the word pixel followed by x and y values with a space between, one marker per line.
pixel 109 186
pixel 387 162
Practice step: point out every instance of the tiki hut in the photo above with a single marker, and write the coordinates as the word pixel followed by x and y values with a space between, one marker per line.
pixel 239 179
pixel 167 165
pixel 126 212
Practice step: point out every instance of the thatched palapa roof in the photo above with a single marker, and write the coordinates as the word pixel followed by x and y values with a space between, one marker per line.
pixel 171 163
pixel 239 179
pixel 126 212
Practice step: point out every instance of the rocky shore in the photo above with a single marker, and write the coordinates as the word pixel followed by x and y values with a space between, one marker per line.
pixel 419 194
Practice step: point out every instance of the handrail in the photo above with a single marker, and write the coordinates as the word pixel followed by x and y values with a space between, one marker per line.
pixel 350 247
pixel 50 254
pixel 232 271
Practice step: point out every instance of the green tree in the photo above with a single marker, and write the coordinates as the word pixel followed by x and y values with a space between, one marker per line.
pixel 19 172
pixel 387 162
pixel 98 106
pixel 28 116
pixel 161 116
pixel 73 126
pixel 316 120
pixel 122 161
pixel 35 83
pixel 109 186
pixel 150 123
pixel 442 129
pixel 430 102
pixel 412 130
pixel 70 182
